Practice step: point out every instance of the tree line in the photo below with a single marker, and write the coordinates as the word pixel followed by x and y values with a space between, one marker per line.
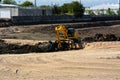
pixel 103 12
pixel 74 8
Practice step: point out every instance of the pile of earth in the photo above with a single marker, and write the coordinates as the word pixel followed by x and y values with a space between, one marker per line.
pixel 47 46
pixel 11 48
pixel 15 48
pixel 102 37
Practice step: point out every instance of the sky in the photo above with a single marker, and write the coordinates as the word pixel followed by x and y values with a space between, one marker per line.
pixel 86 3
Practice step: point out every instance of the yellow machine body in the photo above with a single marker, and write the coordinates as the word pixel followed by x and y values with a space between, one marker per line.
pixel 62 34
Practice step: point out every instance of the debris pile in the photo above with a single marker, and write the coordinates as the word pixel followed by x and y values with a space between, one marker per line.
pixel 102 37
pixel 10 48
pixel 13 48
pixel 5 22
pixel 17 49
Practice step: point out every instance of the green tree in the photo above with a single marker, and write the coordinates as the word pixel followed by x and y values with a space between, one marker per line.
pixel 64 8
pixel 77 9
pixel 45 6
pixel 70 9
pixel 100 12
pixel 110 12
pixel 90 12
pixel 9 2
pixel 56 10
pixel 26 4
pixel 97 12
pixel 118 12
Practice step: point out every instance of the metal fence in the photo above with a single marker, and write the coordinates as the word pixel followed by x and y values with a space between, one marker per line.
pixel 59 19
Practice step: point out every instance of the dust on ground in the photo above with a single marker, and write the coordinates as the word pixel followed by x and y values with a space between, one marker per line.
pixel 98 61
pixel 38 32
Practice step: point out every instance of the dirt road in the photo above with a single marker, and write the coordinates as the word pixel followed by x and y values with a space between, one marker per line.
pixel 98 61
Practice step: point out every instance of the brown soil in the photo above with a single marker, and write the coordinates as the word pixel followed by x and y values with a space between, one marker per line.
pixel 46 32
pixel 98 61
pixel 86 32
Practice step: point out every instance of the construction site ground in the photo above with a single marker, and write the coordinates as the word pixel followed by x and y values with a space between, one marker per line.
pixel 98 61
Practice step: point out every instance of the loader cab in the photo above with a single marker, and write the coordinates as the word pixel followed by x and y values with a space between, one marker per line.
pixel 71 32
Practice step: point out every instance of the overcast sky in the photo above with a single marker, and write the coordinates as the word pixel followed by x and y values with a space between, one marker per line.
pixel 86 3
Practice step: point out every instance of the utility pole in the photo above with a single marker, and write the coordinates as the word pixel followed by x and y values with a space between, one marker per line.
pixel 119 3
pixel 80 1
pixel 35 3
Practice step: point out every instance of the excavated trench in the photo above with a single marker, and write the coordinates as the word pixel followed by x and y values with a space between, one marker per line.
pixel 14 48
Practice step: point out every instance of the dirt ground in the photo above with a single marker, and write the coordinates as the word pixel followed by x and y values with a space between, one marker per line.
pixel 42 32
pixel 98 61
